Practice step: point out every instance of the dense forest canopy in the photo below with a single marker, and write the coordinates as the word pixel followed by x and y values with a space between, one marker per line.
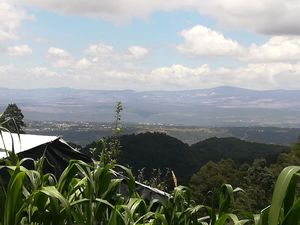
pixel 207 164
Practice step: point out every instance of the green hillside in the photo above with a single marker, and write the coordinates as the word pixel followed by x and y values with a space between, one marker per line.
pixel 158 150
pixel 240 151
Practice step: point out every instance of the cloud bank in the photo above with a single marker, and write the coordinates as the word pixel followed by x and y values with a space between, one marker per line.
pixel 11 17
pixel 262 16
pixel 270 65
pixel 201 41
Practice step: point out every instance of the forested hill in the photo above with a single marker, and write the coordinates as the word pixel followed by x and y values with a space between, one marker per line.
pixel 158 150
pixel 240 151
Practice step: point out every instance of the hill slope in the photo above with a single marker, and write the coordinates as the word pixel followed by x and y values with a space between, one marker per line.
pixel 240 151
pixel 157 150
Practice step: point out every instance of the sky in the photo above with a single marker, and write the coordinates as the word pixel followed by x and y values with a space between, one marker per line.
pixel 150 45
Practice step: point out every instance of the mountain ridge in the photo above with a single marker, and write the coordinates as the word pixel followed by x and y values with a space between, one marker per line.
pixel 222 87
pixel 220 106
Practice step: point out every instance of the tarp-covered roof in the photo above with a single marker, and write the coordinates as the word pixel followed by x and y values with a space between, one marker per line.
pixel 22 142
pixel 57 152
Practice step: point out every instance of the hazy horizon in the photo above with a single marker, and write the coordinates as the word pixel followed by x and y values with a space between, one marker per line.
pixel 153 90
pixel 218 106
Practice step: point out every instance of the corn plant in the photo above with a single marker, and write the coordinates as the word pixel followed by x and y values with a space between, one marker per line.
pixel 285 204
pixel 93 194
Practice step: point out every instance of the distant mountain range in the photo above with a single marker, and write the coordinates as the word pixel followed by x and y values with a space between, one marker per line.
pixel 221 106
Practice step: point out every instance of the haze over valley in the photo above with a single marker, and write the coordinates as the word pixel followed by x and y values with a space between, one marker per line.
pixel 222 106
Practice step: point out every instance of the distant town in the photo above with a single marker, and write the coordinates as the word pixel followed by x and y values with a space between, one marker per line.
pixel 83 133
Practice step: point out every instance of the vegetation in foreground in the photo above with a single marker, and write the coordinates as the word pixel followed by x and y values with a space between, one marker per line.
pixel 96 194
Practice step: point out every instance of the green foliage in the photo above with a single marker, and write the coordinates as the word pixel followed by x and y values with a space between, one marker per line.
pixel 285 159
pixel 108 149
pixel 257 180
pixel 82 195
pixel 158 179
pixel 156 151
pixel 258 185
pixel 93 194
pixel 161 151
pixel 240 151
pixel 206 182
pixel 12 119
pixel 285 205
pixel 114 143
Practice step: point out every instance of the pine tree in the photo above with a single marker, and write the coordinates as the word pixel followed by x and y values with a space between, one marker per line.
pixel 13 117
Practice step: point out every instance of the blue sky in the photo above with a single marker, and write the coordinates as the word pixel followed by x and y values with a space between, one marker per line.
pixel 149 45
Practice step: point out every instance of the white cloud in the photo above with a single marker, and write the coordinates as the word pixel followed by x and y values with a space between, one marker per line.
pixel 58 52
pixel 19 50
pixel 119 11
pixel 274 64
pixel 263 16
pixel 103 67
pixel 43 72
pixel 203 41
pixel 36 77
pixel 10 20
pixel 259 76
pixel 100 50
pixel 277 49
pixel 59 57
pixel 106 54
pixel 5 69
pixel 136 52
pixel 179 76
pixel 83 63
pixel 101 56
